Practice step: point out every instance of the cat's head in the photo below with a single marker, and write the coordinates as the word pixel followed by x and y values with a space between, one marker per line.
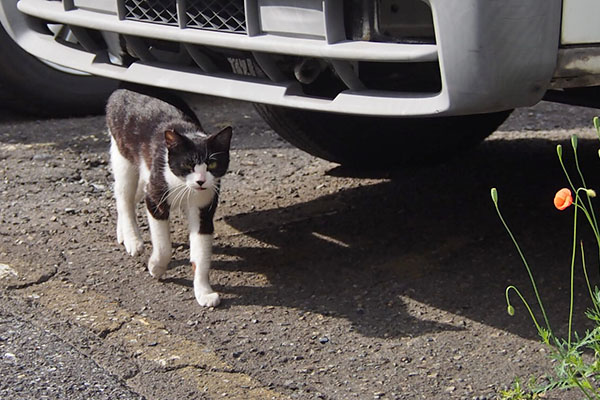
pixel 197 159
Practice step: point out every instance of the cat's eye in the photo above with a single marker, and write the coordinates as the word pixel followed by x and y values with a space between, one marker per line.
pixel 212 165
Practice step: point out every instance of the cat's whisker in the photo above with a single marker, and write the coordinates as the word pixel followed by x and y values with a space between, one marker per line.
pixel 216 190
pixel 176 197
pixel 168 193
pixel 212 156
pixel 179 195
pixel 164 198
pixel 184 195
pixel 189 193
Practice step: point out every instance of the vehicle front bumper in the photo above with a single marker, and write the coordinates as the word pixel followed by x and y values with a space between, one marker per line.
pixel 492 55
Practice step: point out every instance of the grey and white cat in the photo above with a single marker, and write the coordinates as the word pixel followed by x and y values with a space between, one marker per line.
pixel 161 154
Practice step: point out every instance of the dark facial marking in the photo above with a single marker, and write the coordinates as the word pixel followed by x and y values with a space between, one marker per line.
pixel 218 152
pixel 186 154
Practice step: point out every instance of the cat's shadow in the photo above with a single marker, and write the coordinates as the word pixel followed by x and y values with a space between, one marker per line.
pixel 178 281
pixel 420 252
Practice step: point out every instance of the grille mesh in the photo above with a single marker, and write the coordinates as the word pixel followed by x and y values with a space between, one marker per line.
pixel 217 15
pixel 159 11
pixel 214 15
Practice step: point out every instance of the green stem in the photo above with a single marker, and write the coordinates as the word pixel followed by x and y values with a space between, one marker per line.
pixel 589 396
pixel 506 293
pixel 573 255
pixel 595 222
pixel 587 280
pixel 531 279
pixel 589 218
pixel 562 164
pixel 587 215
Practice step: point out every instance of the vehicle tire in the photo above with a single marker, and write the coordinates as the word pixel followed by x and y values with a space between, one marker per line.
pixel 367 142
pixel 30 86
pixel 372 142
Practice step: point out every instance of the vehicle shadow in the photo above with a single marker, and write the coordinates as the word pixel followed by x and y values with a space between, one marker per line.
pixel 90 134
pixel 429 236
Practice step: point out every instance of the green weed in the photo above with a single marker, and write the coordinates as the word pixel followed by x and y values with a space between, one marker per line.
pixel 576 357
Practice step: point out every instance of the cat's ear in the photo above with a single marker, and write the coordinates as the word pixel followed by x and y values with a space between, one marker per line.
pixel 222 140
pixel 172 139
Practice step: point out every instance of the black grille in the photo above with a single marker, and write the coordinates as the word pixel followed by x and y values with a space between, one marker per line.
pixel 159 11
pixel 214 15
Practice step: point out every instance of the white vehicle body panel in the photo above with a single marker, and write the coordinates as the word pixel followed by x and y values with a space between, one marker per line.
pixel 580 22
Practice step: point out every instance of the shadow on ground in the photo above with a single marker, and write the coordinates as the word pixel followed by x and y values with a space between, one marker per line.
pixel 429 234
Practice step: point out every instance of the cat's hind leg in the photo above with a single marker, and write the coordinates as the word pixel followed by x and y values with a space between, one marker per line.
pixel 161 245
pixel 126 176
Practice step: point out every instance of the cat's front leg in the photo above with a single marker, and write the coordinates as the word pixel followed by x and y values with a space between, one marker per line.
pixel 160 234
pixel 200 255
pixel 201 241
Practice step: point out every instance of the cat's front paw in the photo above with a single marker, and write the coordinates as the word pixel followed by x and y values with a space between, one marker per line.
pixel 156 268
pixel 134 245
pixel 209 299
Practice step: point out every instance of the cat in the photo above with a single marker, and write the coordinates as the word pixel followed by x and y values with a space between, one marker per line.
pixel 159 152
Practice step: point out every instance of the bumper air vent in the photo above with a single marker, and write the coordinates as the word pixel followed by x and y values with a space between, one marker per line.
pixel 214 15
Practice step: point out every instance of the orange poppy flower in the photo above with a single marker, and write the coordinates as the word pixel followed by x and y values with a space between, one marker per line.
pixel 563 199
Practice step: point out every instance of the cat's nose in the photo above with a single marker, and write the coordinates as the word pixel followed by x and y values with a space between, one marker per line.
pixel 200 183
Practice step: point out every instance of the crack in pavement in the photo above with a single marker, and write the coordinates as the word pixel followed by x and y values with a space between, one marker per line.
pixel 17 308
pixel 45 277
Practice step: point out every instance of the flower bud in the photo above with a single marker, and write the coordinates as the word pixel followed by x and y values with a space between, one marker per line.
pixel 597 124
pixel 574 142
pixel 591 192
pixel 559 151
pixel 563 199
pixel 494 194
pixel 511 310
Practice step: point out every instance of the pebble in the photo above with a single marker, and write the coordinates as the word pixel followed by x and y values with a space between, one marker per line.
pixel 42 157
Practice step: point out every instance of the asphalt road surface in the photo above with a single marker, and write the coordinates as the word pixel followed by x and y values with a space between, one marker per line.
pixel 335 284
